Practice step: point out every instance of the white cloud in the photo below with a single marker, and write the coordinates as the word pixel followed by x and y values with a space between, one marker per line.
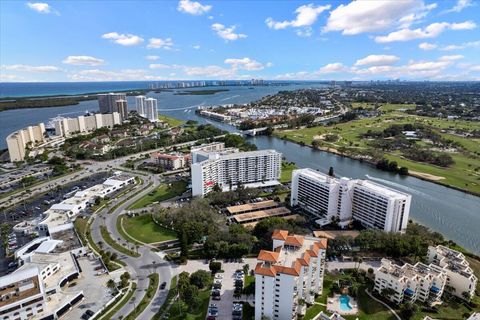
pixel 8 77
pixel 460 5
pixel 210 72
pixel 196 47
pixel 431 31
pixel 451 57
pixel 83 61
pixel 475 68
pixel 123 39
pixel 332 68
pixel 193 7
pixel 377 60
pixel 306 16
pixel 371 16
pixel 41 7
pixel 27 68
pixel 227 33
pixel 152 58
pixel 158 43
pixel 106 75
pixel 427 46
pixel 159 66
pixel 471 44
pixel 246 64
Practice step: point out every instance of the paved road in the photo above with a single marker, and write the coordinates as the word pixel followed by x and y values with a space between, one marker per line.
pixel 139 267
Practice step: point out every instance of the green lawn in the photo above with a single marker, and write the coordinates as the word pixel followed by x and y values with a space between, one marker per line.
pixel 172 122
pixel 162 193
pixel 461 175
pixel 144 229
pixel 287 169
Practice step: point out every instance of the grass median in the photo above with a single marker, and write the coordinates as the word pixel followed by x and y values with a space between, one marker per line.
pixel 114 244
pixel 149 294
pixel 115 307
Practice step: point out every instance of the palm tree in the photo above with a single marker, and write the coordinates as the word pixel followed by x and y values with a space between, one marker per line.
pixel 111 284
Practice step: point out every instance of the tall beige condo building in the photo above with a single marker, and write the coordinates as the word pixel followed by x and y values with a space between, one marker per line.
pixel 20 140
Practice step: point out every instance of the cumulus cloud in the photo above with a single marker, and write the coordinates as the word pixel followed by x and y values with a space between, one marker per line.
pixel 27 68
pixel 246 64
pixel 471 44
pixel 196 47
pixel 193 7
pixel 152 58
pixel 227 33
pixel 475 68
pixel 460 5
pixel 159 43
pixel 332 68
pixel 377 60
pixel 83 61
pixel 306 16
pixel 41 7
pixel 123 39
pixel 370 16
pixel 431 31
pixel 160 66
pixel 427 46
pixel 451 57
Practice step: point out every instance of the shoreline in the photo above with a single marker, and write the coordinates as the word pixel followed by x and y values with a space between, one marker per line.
pixel 369 162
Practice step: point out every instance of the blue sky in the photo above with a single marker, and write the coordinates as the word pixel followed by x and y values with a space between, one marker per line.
pixel 313 40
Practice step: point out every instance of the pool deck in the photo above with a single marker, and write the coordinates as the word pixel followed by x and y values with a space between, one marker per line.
pixel 333 305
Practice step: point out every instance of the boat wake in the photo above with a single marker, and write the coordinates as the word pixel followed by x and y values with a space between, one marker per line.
pixel 230 97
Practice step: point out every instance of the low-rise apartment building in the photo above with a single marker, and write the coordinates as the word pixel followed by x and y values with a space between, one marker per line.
pixel 292 272
pixel 172 161
pixel 228 168
pixel 331 199
pixel 461 280
pixel 410 282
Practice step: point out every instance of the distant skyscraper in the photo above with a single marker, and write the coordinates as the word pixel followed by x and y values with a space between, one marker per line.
pixel 107 101
pixel 140 104
pixel 151 112
pixel 122 108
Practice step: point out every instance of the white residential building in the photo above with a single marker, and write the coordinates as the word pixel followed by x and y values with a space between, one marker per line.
pixel 228 168
pixel 291 272
pixel 66 127
pixel 140 105
pixel 460 277
pixel 410 282
pixel 151 111
pixel 341 200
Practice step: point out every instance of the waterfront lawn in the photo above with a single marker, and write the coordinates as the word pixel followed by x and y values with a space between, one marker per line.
pixel 287 168
pixel 172 122
pixel 162 193
pixel 462 174
pixel 144 229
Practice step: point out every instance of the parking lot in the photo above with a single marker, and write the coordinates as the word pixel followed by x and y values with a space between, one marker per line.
pixel 225 304
pixel 93 285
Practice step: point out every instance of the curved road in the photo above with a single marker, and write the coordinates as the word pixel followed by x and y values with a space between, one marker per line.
pixel 139 268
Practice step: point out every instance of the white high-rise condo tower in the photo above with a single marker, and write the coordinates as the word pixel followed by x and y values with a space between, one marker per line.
pixel 140 104
pixel 151 112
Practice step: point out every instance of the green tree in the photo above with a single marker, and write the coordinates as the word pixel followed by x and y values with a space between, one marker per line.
pixel 407 310
pixel 215 266
pixel 184 245
pixel 200 278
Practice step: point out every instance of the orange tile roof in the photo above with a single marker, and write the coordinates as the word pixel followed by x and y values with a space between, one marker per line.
pixel 280 235
pixel 294 240
pixel 269 256
pixel 322 243
pixel 264 271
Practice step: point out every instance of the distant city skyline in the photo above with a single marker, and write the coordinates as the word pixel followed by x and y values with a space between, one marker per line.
pixel 273 40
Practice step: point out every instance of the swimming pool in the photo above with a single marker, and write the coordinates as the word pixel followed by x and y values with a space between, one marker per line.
pixel 344 303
